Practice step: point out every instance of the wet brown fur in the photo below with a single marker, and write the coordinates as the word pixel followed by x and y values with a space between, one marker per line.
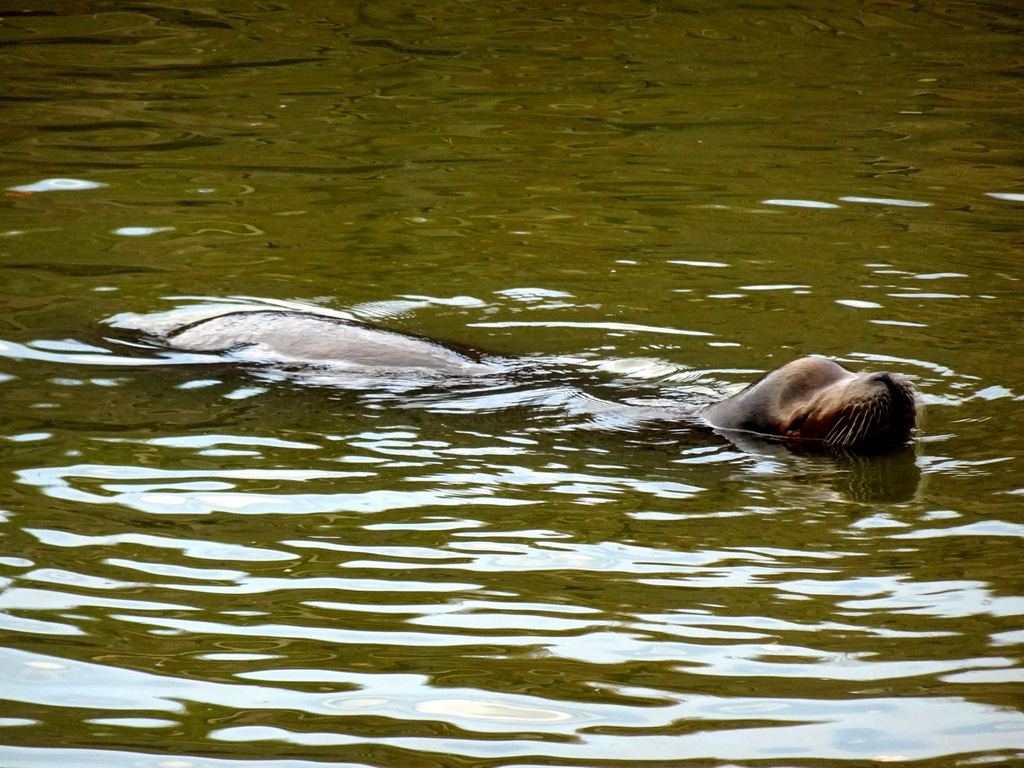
pixel 817 399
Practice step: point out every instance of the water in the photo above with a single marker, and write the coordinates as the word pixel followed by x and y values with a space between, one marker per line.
pixel 208 565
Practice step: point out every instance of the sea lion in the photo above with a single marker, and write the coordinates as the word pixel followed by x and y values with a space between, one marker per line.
pixel 810 399
pixel 818 400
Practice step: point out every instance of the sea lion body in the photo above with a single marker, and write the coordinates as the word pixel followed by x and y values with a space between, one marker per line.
pixel 304 338
pixel 810 399
pixel 819 400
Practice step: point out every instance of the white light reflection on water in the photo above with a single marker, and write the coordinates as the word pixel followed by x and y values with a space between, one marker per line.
pixel 854 729
pixel 58 185
pixel 179 492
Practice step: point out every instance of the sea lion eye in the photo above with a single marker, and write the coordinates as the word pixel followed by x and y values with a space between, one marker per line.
pixel 796 425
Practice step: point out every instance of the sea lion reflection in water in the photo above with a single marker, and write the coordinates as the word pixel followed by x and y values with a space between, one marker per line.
pixel 810 400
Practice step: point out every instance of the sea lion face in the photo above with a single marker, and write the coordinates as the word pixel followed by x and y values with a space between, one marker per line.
pixel 857 411
pixel 818 400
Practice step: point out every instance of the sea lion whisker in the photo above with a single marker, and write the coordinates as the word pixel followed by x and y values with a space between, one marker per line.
pixel 838 428
pixel 856 424
pixel 844 426
pixel 852 429
pixel 866 425
pixel 874 414
pixel 861 425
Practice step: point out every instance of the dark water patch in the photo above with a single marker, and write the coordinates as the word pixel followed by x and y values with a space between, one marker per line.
pixel 398 48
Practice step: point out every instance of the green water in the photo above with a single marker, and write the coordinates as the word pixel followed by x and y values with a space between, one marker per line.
pixel 207 565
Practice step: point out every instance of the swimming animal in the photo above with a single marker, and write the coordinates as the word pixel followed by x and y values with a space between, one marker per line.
pixel 811 399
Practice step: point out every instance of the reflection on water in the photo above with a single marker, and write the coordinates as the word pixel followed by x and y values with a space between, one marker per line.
pixel 648 204
pixel 388 607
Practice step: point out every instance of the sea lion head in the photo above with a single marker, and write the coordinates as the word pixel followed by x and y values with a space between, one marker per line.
pixel 858 411
pixel 815 399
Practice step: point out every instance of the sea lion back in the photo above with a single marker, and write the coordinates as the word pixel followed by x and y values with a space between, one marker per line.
pixel 276 336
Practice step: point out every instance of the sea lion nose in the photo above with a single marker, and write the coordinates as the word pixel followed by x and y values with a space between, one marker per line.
pixel 897 386
pixel 883 377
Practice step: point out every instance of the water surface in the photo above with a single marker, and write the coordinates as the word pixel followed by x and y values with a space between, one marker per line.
pixel 208 565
